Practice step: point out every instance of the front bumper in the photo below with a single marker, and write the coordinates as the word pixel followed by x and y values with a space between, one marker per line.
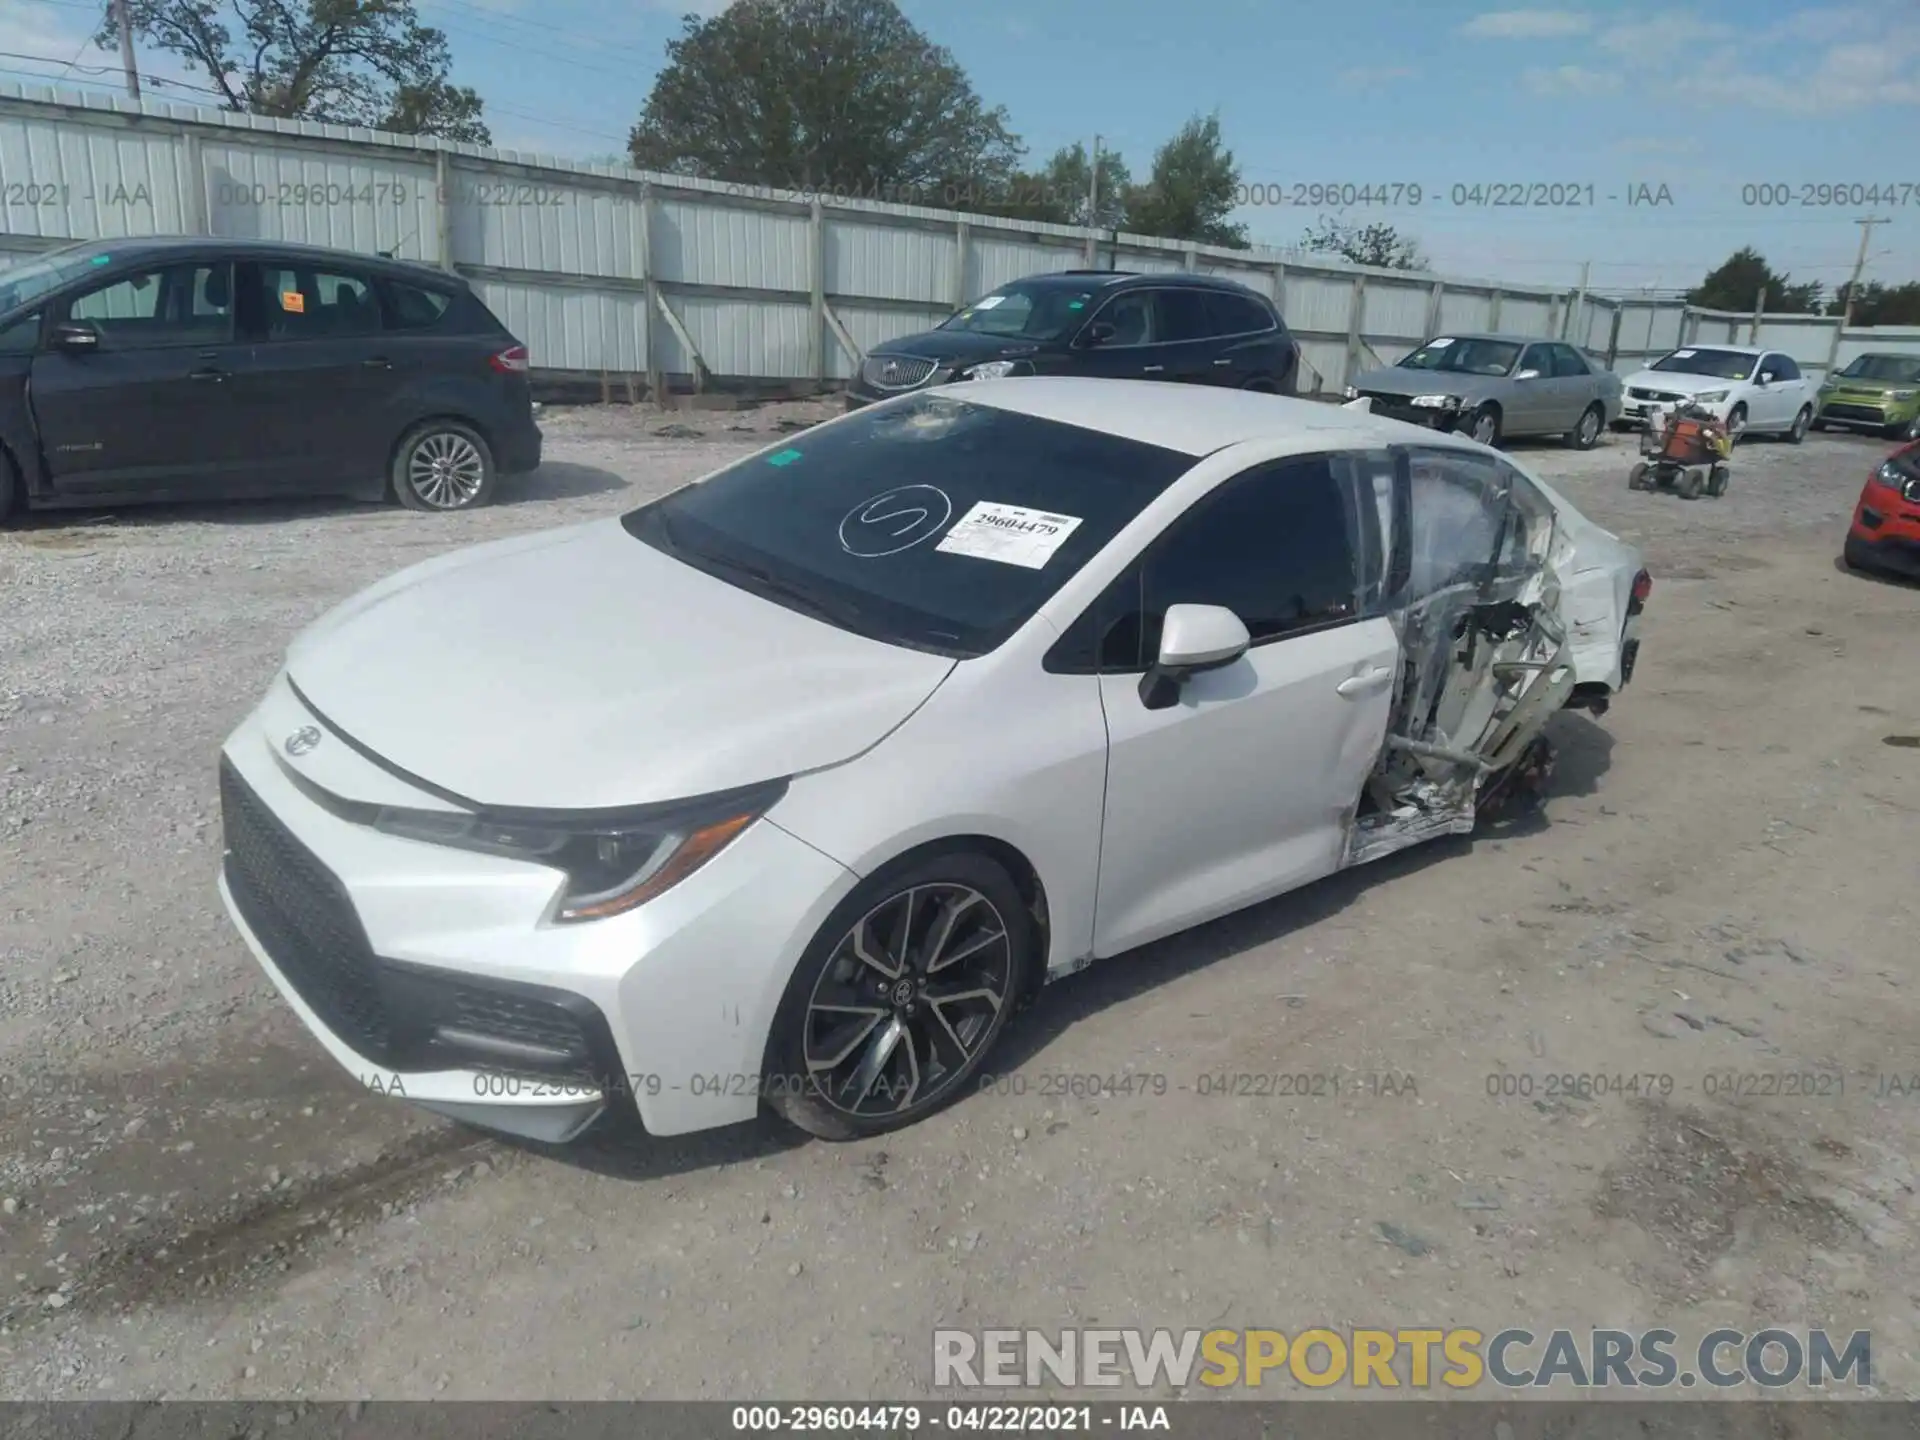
pixel 1865 413
pixel 431 973
pixel 1395 407
pixel 1885 534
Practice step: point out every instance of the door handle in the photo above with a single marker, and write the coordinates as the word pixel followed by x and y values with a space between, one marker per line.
pixel 1224 362
pixel 209 373
pixel 378 362
pixel 1365 684
pixel 1151 369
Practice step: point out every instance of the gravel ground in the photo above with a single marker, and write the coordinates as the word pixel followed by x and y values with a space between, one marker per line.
pixel 194 1201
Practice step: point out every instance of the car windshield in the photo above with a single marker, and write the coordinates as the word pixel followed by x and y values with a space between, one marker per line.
pixel 934 523
pixel 1464 357
pixel 1721 364
pixel 1901 369
pixel 33 278
pixel 1028 311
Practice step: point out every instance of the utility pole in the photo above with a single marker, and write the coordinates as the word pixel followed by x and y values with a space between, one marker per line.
pixel 1093 188
pixel 1866 225
pixel 125 19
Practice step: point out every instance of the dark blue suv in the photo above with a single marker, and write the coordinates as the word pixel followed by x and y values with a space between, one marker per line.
pixel 1199 329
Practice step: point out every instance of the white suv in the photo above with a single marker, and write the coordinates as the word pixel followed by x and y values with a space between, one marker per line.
pixel 1755 391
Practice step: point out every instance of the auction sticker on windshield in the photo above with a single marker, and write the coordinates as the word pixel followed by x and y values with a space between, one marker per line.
pixel 1011 534
pixel 989 302
pixel 1440 344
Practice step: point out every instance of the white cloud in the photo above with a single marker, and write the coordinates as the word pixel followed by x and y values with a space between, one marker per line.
pixel 1848 76
pixel 1570 80
pixel 1664 36
pixel 1363 76
pixel 1528 24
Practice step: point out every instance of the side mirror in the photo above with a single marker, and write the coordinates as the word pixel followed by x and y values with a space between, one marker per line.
pixel 1193 638
pixel 1526 375
pixel 75 336
pixel 1098 333
pixel 1766 377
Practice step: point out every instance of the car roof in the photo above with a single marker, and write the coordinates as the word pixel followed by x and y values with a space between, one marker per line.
pixel 1132 279
pixel 1716 345
pixel 156 246
pixel 1193 420
pixel 1499 335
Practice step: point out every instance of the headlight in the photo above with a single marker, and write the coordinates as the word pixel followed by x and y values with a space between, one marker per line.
pixel 1903 395
pixel 1437 402
pixel 611 866
pixel 994 370
pixel 1347 392
pixel 1711 397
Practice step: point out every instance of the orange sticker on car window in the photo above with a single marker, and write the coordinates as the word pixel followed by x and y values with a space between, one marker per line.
pixel 293 301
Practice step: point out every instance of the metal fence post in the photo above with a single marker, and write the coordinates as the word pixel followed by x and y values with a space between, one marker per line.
pixel 1434 298
pixel 1493 308
pixel 442 212
pixel 199 221
pixel 1759 310
pixel 963 244
pixel 1356 308
pixel 656 381
pixel 1613 336
pixel 817 290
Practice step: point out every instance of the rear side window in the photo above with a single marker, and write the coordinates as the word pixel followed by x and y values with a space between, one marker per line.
pixel 1274 545
pixel 1568 364
pixel 1183 315
pixel 413 307
pixel 301 304
pixel 1458 520
pixel 1237 315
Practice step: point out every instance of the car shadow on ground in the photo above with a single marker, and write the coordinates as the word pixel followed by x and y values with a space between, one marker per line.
pixel 554 480
pixel 618 1148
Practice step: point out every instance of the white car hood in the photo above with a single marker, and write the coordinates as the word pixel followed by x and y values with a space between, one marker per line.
pixel 1679 381
pixel 583 669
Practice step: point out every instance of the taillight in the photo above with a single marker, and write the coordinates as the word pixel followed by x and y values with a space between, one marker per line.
pixel 1642 588
pixel 511 361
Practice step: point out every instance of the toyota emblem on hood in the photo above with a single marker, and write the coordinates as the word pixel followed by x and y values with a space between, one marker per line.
pixel 302 740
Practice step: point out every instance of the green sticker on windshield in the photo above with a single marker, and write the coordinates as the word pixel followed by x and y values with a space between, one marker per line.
pixel 1076 304
pixel 783 457
pixel 101 260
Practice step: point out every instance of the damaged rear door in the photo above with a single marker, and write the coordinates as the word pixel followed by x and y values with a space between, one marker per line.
pixel 1467 581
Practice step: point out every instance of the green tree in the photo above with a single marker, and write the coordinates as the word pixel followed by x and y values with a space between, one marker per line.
pixel 807 94
pixel 1055 194
pixel 1376 244
pixel 341 62
pixel 1877 304
pixel 1190 190
pixel 1738 281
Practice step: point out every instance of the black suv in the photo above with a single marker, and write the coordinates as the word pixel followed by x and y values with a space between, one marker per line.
pixel 1110 323
pixel 184 368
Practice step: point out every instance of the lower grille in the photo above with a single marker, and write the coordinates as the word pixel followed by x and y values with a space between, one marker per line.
pixel 303 918
pixel 1871 414
pixel 1665 397
pixel 895 372
pixel 399 1016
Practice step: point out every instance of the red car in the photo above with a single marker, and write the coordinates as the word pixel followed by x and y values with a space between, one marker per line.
pixel 1886 523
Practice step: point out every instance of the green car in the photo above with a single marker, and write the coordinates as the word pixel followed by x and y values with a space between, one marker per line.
pixel 1874 392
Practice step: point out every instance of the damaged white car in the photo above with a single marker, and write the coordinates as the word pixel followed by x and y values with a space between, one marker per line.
pixel 790 787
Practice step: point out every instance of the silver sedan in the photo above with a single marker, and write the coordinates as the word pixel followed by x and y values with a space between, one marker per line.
pixel 1495 386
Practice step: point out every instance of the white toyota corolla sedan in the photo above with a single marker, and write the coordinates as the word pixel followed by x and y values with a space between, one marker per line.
pixel 790 787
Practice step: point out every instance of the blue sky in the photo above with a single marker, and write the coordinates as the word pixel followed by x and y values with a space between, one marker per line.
pixel 1706 99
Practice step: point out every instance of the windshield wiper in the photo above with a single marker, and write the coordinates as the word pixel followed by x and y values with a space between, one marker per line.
pixel 778 586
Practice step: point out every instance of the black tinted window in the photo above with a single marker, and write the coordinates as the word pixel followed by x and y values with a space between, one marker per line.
pixel 1274 546
pixel 1183 315
pixel 939 524
pixel 303 304
pixel 1783 367
pixel 1133 318
pixel 1567 362
pixel 168 305
pixel 410 307
pixel 1237 314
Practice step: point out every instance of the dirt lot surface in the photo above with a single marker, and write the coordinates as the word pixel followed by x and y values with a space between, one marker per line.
pixel 194 1201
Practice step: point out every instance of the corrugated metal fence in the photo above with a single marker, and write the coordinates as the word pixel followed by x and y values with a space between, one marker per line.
pixel 626 275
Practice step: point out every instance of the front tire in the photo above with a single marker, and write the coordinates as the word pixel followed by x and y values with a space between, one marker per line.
pixel 900 997
pixel 1485 425
pixel 1800 424
pixel 1586 434
pixel 443 465
pixel 1736 424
